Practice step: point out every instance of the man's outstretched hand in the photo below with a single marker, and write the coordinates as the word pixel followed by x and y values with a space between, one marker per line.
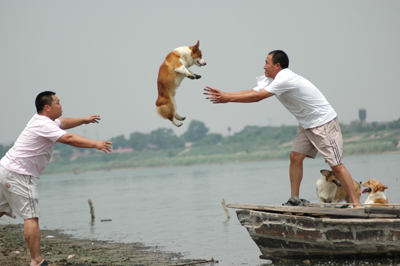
pixel 91 119
pixel 216 96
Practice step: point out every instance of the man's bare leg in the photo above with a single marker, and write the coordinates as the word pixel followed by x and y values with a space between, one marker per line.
pixel 347 182
pixel 296 172
pixel 32 238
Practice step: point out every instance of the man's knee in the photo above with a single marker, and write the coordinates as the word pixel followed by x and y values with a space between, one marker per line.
pixel 339 169
pixel 31 227
pixel 296 157
pixel 31 221
pixel 31 224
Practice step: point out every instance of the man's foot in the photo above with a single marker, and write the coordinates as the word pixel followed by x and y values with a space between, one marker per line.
pixel 296 201
pixel 44 263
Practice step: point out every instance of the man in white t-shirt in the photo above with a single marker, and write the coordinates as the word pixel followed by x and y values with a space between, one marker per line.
pixel 318 126
pixel 29 156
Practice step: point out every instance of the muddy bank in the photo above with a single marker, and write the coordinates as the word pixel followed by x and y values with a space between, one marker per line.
pixel 57 247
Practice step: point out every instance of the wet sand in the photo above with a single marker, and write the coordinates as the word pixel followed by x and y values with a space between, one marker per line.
pixel 56 247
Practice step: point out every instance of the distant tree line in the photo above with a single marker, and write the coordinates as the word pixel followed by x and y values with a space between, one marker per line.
pixel 165 138
pixel 198 135
pixel 358 127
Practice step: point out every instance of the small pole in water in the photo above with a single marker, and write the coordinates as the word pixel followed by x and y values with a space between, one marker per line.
pixel 91 208
pixel 225 208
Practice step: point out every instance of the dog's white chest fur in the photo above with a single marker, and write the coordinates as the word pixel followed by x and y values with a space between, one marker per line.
pixel 186 58
pixel 326 191
pixel 180 76
pixel 373 196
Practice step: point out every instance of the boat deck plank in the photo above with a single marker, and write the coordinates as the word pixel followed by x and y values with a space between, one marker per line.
pixel 367 212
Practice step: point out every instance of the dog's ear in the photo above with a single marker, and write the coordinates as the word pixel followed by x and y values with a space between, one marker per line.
pixel 383 187
pixel 325 173
pixel 196 47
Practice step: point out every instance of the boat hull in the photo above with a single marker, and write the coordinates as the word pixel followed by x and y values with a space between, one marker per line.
pixel 287 236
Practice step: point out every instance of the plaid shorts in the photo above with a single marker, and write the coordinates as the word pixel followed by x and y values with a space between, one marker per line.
pixel 326 139
pixel 18 193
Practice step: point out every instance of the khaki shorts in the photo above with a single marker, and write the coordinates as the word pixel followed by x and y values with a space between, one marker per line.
pixel 18 193
pixel 326 139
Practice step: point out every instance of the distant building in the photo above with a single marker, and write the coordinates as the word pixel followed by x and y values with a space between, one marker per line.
pixel 362 113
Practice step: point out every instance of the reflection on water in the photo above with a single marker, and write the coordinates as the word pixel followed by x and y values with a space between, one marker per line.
pixel 179 208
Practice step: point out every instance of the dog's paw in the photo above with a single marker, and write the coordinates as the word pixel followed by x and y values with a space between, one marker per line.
pixel 194 76
pixel 180 118
pixel 176 122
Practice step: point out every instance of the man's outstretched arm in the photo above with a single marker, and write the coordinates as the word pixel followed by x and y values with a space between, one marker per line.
pixel 250 96
pixel 81 142
pixel 67 123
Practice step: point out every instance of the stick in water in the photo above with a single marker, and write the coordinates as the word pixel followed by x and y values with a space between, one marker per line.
pixel 196 262
pixel 91 208
pixel 225 208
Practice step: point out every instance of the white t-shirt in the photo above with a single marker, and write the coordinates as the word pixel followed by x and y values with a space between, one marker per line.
pixel 300 97
pixel 32 151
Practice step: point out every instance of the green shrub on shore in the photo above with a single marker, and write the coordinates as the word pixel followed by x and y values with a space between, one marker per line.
pixel 369 147
pixel 162 148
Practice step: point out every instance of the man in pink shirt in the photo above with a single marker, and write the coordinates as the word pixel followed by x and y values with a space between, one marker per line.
pixel 27 159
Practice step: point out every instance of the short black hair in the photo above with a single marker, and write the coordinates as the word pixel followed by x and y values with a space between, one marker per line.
pixel 43 98
pixel 279 56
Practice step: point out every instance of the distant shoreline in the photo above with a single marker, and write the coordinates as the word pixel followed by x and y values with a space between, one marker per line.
pixel 319 156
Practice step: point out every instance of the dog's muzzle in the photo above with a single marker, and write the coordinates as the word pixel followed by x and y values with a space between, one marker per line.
pixel 201 63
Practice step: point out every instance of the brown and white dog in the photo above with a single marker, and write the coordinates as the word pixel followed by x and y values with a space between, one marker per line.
pixel 329 189
pixel 376 192
pixel 171 73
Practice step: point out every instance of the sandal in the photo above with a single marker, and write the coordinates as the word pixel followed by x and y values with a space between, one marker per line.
pixel 296 201
pixel 44 263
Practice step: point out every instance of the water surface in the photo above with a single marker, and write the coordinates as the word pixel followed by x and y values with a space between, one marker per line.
pixel 179 208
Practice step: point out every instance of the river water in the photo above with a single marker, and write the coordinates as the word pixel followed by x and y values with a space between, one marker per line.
pixel 179 209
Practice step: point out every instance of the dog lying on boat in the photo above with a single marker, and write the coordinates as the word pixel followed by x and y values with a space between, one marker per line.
pixel 171 73
pixel 376 192
pixel 329 189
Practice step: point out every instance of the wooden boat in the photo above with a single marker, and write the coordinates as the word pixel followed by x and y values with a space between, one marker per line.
pixel 286 232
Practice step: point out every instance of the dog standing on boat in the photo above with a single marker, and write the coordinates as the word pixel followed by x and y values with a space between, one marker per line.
pixel 376 192
pixel 329 189
pixel 327 186
pixel 171 73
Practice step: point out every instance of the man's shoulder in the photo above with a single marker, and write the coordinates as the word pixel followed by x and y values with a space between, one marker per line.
pixel 286 72
pixel 41 122
pixel 41 119
pixel 285 77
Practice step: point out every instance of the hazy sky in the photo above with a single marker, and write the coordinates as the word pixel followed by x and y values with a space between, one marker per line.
pixel 102 57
